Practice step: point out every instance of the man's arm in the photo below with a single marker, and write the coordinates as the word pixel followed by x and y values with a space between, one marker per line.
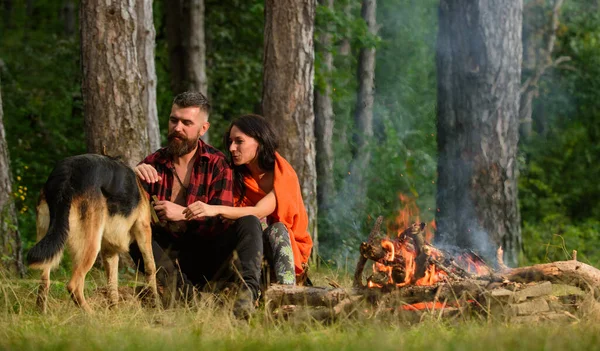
pixel 220 191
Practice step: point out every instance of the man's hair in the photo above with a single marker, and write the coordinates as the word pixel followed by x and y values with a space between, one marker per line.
pixel 192 99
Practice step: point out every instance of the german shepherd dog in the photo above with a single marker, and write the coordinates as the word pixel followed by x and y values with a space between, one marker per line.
pixel 93 204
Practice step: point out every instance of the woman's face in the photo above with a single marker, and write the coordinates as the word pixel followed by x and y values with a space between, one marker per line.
pixel 243 148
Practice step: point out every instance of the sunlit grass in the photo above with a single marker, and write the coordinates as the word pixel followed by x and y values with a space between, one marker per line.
pixel 208 324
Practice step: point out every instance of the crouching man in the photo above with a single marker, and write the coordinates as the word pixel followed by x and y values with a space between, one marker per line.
pixel 192 253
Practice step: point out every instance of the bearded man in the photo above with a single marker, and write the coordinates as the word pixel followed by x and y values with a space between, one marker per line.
pixel 193 253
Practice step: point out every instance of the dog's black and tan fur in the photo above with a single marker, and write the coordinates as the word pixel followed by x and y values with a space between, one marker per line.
pixel 93 204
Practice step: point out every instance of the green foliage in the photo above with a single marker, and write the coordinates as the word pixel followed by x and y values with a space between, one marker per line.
pixel 234 34
pixel 558 182
pixel 553 240
pixel 559 165
pixel 404 146
pixel 41 99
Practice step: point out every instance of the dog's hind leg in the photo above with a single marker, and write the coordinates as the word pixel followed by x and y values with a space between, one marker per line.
pixel 111 265
pixel 42 298
pixel 142 234
pixel 42 224
pixel 84 241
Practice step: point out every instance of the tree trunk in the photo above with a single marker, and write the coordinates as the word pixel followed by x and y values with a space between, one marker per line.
pixel 175 44
pixel 479 70
pixel 10 240
pixel 539 38
pixel 363 116
pixel 7 6
pixel 196 48
pixel 68 17
pixel 324 122
pixel 187 47
pixel 113 86
pixel 288 91
pixel 145 52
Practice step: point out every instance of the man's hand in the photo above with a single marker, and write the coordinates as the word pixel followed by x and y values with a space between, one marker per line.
pixel 147 173
pixel 199 209
pixel 169 211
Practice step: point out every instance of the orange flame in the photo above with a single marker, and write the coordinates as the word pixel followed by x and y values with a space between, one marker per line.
pixel 472 265
pixel 401 252
pixel 406 250
pixel 424 305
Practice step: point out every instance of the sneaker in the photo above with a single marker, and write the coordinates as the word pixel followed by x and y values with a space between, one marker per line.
pixel 243 306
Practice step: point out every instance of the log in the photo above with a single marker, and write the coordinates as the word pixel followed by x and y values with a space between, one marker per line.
pixel 319 313
pixel 440 292
pixel 574 273
pixel 278 295
pixel 362 260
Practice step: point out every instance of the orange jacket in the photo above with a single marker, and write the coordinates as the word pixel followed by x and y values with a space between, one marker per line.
pixel 290 208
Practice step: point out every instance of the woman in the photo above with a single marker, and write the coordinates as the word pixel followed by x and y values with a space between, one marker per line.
pixel 267 187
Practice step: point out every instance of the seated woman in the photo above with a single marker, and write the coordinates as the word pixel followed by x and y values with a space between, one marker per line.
pixel 266 186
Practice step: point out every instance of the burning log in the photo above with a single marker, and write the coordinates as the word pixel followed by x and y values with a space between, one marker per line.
pixel 409 259
pixel 415 232
pixel 360 266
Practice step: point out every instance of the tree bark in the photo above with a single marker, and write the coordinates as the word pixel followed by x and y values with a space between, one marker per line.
pixel 187 46
pixel 363 116
pixel 288 91
pixel 173 19
pixel 10 241
pixel 539 38
pixel 7 6
pixel 68 17
pixel 324 121
pixel 479 55
pixel 145 52
pixel 113 85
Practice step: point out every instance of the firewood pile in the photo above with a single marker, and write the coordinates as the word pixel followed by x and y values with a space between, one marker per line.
pixel 411 277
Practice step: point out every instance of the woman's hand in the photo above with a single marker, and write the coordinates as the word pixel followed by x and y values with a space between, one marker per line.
pixel 198 210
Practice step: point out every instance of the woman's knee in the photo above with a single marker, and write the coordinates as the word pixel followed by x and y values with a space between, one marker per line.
pixel 277 230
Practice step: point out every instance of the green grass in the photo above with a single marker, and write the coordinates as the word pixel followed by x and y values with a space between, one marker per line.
pixel 209 325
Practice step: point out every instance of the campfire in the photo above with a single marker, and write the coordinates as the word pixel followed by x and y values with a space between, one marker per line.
pixel 411 275
pixel 409 259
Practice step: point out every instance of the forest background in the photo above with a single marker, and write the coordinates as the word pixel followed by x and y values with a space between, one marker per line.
pixel 40 70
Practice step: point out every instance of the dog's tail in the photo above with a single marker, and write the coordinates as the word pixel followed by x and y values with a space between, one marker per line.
pixel 57 195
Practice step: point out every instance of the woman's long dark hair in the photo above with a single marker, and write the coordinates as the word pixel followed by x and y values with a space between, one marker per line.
pixel 256 127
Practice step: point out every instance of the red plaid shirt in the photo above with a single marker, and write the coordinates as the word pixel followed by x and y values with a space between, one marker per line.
pixel 211 182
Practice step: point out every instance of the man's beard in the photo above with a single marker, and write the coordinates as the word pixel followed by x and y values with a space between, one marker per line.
pixel 179 145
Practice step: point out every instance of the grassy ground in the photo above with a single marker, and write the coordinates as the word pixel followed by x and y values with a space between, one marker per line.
pixel 209 325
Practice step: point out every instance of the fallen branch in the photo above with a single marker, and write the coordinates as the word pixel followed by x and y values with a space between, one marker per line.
pixel 574 273
pixel 278 295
